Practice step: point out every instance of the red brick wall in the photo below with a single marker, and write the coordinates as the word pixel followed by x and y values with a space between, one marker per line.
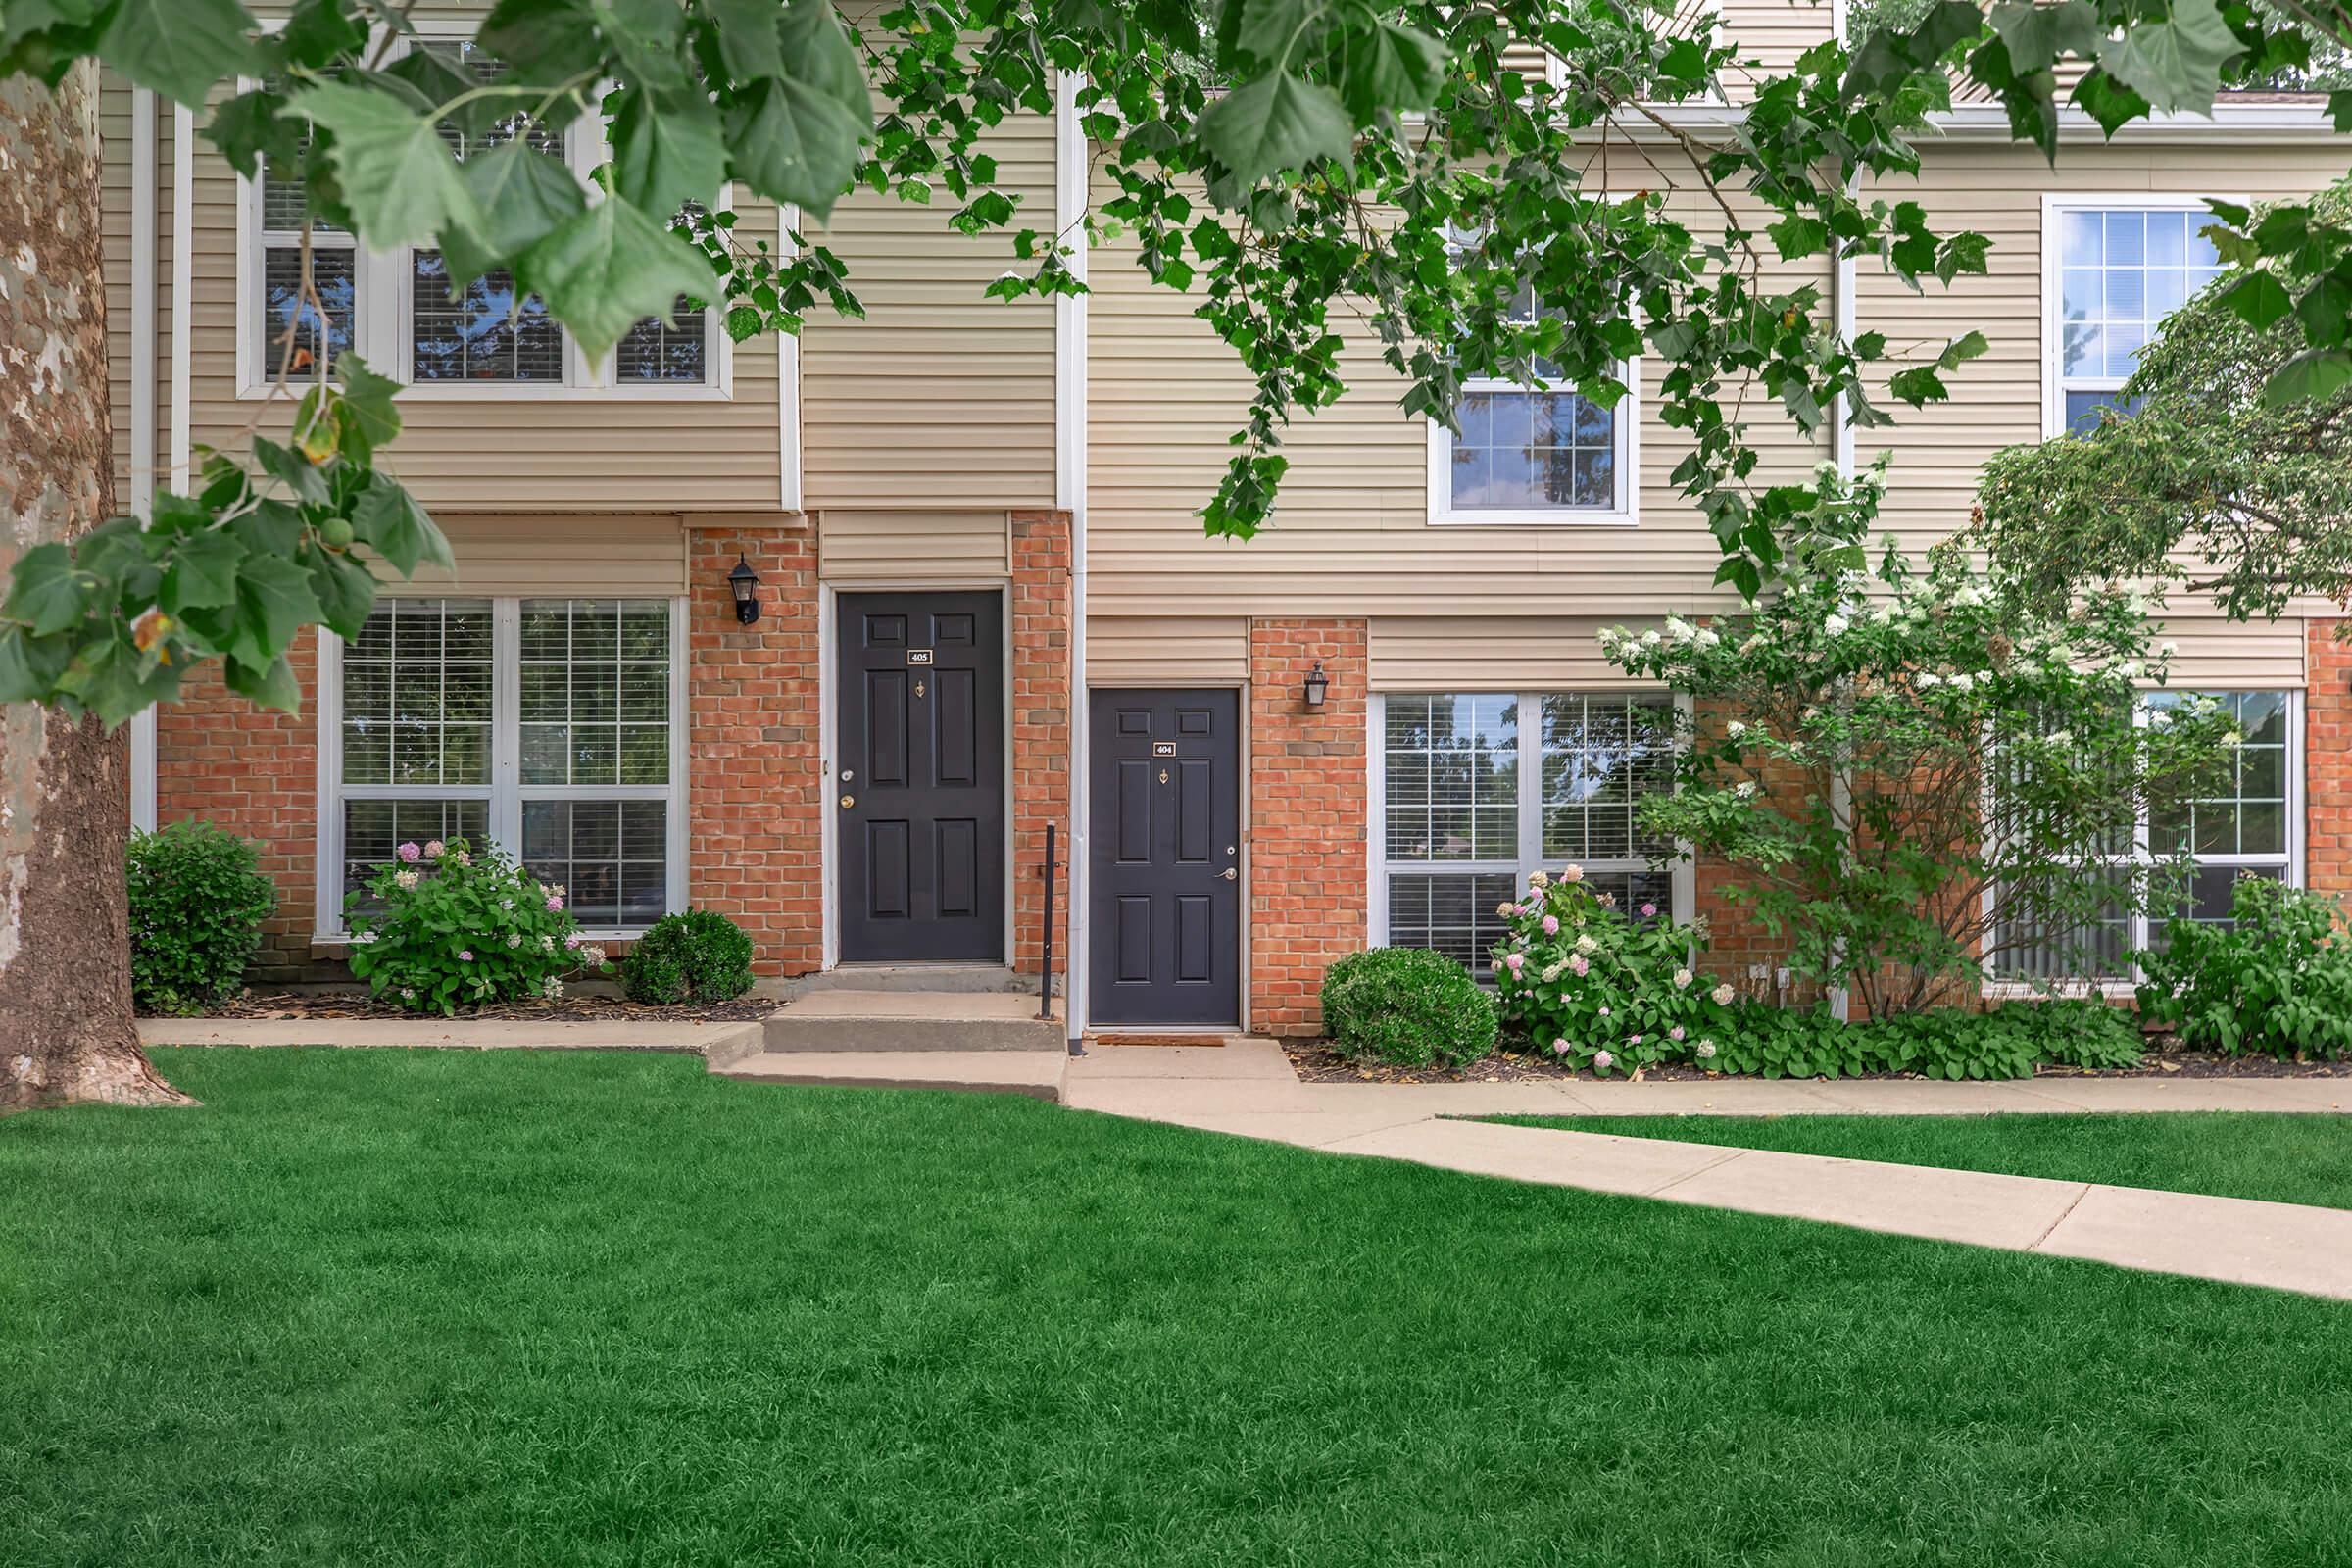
pixel 218 759
pixel 1307 816
pixel 2328 760
pixel 1040 729
pixel 755 840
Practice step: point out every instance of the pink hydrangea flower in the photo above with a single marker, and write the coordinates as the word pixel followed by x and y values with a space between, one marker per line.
pixel 1675 1033
pixel 1648 909
pixel 1551 925
pixel 407 854
pixel 465 954
pixel 1602 1061
pixel 1605 1012
pixel 432 849
pixel 1580 963
pixel 571 939
pixel 1514 959
pixel 1637 1039
pixel 1559 1047
pixel 554 904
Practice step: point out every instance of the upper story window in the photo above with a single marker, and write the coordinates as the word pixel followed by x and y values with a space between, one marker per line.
pixel 2119 268
pixel 486 337
pixel 1534 455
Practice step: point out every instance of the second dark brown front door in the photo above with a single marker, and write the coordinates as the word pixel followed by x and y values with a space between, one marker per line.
pixel 920 777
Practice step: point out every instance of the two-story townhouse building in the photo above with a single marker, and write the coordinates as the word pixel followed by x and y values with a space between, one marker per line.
pixel 985 607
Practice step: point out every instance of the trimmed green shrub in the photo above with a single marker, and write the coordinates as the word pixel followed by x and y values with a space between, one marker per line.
pixel 442 928
pixel 197 903
pixel 2008 1042
pixel 1408 1007
pixel 2276 980
pixel 696 955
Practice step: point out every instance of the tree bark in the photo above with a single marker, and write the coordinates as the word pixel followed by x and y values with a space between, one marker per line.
pixel 66 1027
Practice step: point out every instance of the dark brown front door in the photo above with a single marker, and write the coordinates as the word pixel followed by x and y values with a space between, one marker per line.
pixel 920 780
pixel 1166 858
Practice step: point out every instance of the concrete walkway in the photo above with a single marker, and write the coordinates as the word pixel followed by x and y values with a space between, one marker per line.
pixel 1247 1088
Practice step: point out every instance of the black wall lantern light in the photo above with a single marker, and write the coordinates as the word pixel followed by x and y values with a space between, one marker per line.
pixel 743 583
pixel 1316 683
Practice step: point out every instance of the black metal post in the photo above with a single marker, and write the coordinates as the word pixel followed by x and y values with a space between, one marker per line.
pixel 1045 968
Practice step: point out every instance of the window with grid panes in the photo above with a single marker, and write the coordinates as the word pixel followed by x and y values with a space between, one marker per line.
pixel 2122 270
pixel 1467 808
pixel 1524 449
pixel 293 331
pixel 545 725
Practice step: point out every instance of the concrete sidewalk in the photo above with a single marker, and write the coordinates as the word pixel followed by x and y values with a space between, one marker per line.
pixel 1247 1088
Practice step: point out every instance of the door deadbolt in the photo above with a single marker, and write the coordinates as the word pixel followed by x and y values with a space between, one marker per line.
pixel 848 774
pixel 847 801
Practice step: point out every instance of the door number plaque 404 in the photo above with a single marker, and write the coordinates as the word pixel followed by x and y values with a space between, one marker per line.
pixel 1163 747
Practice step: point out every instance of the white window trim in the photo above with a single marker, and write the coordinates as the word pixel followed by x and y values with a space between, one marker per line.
pixel 506 792
pixel 385 286
pixel 2054 209
pixel 2141 856
pixel 1682 871
pixel 1626 512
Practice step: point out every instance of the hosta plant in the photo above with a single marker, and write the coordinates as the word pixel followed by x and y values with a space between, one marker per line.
pixel 444 927
pixel 1593 985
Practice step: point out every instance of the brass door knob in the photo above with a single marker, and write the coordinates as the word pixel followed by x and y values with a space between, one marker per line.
pixel 847 801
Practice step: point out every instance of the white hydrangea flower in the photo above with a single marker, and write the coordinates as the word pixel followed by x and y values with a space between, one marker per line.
pixel 2166 650
pixel 1681 631
pixel 1651 639
pixel 1681 979
pixel 1585 944
pixel 1736 728
pixel 1704 1051
pixel 1836 625
pixel 1883 616
pixel 1723 995
pixel 1707 637
pixel 1963 682
pixel 2159 717
pixel 2062 737
pixel 1745 790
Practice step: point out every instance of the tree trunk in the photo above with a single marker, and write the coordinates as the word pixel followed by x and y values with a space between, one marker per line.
pixel 66 1027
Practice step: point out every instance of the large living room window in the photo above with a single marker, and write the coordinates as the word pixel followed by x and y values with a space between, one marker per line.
pixel 1471 792
pixel 2244 820
pixel 549 726
pixel 2114 270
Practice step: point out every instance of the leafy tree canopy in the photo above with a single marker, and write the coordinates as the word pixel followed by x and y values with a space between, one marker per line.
pixel 1304 164
pixel 2197 476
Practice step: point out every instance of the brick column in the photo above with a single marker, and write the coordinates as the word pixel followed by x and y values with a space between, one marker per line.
pixel 2326 765
pixel 1040 729
pixel 1307 816
pixel 253 773
pixel 756 834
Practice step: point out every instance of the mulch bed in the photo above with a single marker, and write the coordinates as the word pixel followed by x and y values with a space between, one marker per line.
pixel 572 1008
pixel 1317 1063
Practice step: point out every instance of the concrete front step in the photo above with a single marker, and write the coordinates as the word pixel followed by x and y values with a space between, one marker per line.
pixel 961 979
pixel 1005 1072
pixel 862 1021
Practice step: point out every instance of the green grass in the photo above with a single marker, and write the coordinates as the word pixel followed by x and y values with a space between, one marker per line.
pixel 509 1308
pixel 2230 1153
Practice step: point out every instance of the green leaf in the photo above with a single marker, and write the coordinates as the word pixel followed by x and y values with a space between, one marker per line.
pixel 46 596
pixel 668 152
pixel 1798 234
pixel 2340 111
pixel 2110 102
pixel 397 176
pixel 2257 296
pixel 791 143
pixel 182 48
pixel 115 681
pixel 645 35
pixel 1276 122
pixel 1962 348
pixel 748 42
pixel 2312 374
pixel 521 195
pixel 388 521
pixel 29 666
pixel 543 42
pixel 296 471
pixel 371 417
pixel 610 267
pixel 345 588
pixel 270 685
pixel 2039 35
pixel 202 572
pixel 275 602
pixel 1399 68
pixel 2176 61
pixel 249 127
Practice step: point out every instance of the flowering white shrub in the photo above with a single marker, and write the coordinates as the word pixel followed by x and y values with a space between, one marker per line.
pixel 1913 769
pixel 1592 986
pixel 444 929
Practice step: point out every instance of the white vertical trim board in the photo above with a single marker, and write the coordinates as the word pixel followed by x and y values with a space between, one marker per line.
pixel 1070 437
pixel 183 286
pixel 788 382
pixel 142 403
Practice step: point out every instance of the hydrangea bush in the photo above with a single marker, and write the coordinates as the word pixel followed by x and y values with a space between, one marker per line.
pixel 444 928
pixel 1915 771
pixel 1592 986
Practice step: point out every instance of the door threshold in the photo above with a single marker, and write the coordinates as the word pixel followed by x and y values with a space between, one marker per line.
pixel 1146 1036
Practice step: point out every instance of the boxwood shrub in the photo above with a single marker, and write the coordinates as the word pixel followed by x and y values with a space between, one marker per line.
pixel 1408 1007
pixel 197 903
pixel 695 955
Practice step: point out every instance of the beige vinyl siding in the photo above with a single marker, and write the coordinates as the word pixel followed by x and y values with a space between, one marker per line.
pixel 1499 652
pixel 913 546
pixel 941 396
pixel 114 96
pixel 545 449
pixel 1770 34
pixel 1167 650
pixel 591 555
pixel 1352 535
pixel 1996 400
pixel 2216 655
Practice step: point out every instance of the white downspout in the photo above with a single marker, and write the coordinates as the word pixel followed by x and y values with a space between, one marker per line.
pixel 141 499
pixel 1841 435
pixel 1069 485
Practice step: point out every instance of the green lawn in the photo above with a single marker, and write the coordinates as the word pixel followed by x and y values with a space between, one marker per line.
pixel 457 1307
pixel 2283 1159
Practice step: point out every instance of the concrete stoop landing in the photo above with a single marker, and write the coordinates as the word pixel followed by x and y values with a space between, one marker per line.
pixel 988 1040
